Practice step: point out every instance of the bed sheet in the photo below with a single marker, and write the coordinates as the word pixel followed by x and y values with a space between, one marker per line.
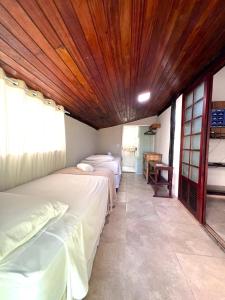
pixel 37 270
pixel 117 179
pixel 77 235
pixel 114 165
pixel 103 172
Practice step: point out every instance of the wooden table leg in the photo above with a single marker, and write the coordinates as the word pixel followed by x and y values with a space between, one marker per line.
pixel 155 191
pixel 170 191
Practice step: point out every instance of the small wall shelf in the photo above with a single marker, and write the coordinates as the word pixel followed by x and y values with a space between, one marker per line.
pixel 217 129
pixel 152 129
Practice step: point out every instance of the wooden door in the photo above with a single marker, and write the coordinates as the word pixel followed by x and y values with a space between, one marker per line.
pixel 193 149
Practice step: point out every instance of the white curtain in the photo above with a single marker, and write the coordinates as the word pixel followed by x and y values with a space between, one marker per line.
pixel 32 134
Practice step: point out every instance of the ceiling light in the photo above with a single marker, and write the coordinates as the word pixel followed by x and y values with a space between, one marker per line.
pixel 144 97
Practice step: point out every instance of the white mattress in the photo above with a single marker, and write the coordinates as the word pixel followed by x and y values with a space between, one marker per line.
pixel 63 255
pixel 114 165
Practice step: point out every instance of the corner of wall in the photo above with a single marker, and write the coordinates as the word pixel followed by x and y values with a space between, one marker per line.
pixel 81 141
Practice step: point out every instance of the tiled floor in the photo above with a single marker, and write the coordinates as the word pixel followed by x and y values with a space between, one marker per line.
pixel 153 249
pixel 128 169
pixel 215 214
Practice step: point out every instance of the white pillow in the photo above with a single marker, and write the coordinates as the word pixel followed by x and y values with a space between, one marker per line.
pixel 100 158
pixel 23 216
pixel 85 167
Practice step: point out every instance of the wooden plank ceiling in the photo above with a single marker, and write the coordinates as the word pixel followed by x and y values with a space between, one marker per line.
pixel 95 56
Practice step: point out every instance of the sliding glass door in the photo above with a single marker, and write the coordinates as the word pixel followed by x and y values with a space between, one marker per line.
pixel 193 149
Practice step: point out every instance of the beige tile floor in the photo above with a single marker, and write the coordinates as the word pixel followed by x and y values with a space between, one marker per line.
pixel 153 249
pixel 215 214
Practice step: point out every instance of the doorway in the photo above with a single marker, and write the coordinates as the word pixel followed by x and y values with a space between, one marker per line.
pixel 129 148
pixel 135 142
pixel 215 196
pixel 202 156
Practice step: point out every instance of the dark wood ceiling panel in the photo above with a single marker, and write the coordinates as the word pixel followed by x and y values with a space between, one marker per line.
pixel 95 56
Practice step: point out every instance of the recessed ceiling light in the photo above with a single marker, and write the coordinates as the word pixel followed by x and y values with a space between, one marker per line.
pixel 143 97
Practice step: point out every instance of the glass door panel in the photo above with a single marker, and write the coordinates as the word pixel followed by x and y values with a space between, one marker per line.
pixel 185 170
pixel 196 141
pixel 188 114
pixel 187 128
pixel 187 141
pixel 198 108
pixel 195 158
pixel 199 92
pixel 186 156
pixel 189 100
pixel 197 125
pixel 194 174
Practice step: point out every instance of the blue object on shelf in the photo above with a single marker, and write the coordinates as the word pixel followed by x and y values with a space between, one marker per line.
pixel 218 118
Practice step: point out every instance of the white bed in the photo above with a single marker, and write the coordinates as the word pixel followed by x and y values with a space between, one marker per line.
pixel 36 270
pixel 114 165
pixel 61 257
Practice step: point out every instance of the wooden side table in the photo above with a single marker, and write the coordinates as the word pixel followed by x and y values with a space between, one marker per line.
pixel 157 180
pixel 150 157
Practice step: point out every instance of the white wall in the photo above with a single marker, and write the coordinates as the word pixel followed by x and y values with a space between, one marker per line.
pixel 81 141
pixel 218 93
pixel 110 139
pixel 216 176
pixel 162 138
pixel 176 153
pixel 162 141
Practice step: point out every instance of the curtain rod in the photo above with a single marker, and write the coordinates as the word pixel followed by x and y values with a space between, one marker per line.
pixel 15 82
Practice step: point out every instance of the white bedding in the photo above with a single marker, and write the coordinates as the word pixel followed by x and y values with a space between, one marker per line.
pixel 114 165
pixel 22 217
pixel 99 157
pixel 117 179
pixel 73 245
pixel 37 270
